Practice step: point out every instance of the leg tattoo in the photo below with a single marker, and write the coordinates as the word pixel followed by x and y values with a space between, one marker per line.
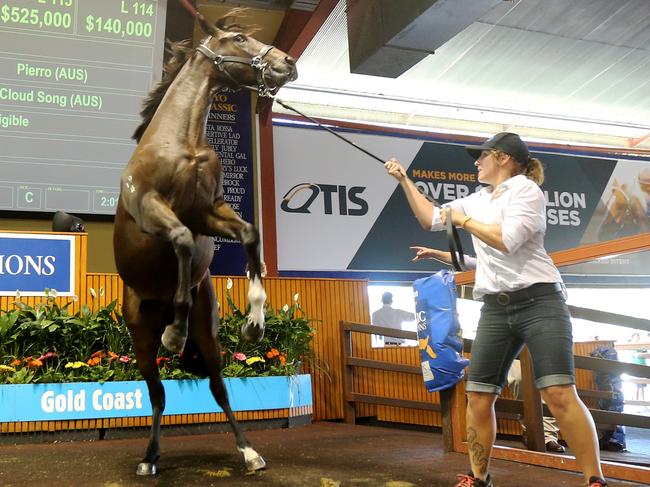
pixel 477 455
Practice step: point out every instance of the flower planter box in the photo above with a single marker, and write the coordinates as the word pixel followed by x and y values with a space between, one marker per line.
pixel 127 399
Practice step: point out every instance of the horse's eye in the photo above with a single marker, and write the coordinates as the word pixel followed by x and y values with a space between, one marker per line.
pixel 240 38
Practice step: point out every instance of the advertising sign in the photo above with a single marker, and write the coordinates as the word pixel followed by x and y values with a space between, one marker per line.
pixel 31 263
pixel 121 399
pixel 338 211
pixel 230 133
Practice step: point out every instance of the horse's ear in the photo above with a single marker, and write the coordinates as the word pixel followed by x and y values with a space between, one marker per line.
pixel 205 26
pixel 229 20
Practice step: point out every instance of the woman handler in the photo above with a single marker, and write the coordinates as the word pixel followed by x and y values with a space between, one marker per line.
pixel 523 298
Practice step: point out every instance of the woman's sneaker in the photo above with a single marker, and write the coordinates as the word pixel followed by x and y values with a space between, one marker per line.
pixel 468 480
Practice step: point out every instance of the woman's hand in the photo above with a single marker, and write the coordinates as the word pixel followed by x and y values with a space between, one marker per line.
pixel 456 216
pixel 422 253
pixel 395 169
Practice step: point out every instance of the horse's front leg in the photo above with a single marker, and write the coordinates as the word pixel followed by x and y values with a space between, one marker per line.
pixel 157 218
pixel 204 323
pixel 225 222
pixel 144 323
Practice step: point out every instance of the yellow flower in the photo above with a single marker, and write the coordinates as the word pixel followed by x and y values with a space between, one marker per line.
pixel 6 368
pixel 252 360
pixel 75 365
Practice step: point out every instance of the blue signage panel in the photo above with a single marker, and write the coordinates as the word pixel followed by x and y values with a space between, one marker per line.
pixel 230 133
pixel 31 263
pixel 92 400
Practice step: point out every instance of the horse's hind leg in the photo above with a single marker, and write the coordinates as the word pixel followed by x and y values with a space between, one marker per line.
pixel 204 321
pixel 224 221
pixel 159 219
pixel 144 320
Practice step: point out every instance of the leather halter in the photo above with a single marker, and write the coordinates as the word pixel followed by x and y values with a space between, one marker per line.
pixel 256 62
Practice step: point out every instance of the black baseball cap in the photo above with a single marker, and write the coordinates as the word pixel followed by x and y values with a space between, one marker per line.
pixel 506 142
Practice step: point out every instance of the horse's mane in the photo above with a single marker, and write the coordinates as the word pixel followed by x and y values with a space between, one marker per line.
pixel 179 53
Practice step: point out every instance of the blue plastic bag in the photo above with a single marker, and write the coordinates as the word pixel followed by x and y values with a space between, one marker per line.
pixel 438 331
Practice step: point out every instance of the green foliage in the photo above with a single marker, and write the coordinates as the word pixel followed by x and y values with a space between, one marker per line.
pixel 282 351
pixel 46 343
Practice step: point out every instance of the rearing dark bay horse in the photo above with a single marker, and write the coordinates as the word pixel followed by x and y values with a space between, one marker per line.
pixel 171 204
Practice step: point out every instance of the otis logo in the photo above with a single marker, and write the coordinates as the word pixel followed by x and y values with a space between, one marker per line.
pixel 344 200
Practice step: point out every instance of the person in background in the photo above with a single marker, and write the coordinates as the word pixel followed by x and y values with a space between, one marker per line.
pixel 523 296
pixel 391 318
pixel 639 357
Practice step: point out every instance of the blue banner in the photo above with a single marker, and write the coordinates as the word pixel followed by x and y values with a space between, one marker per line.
pixel 230 133
pixel 92 400
pixel 31 263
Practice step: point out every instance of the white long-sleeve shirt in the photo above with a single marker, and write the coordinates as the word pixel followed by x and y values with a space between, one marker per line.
pixel 518 205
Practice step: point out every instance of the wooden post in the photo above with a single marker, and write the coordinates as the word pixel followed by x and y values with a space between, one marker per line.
pixel 349 414
pixel 446 411
pixel 532 405
pixel 453 406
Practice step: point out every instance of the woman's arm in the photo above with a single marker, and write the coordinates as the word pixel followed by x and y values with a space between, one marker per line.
pixel 490 233
pixel 421 207
pixel 422 253
pixel 524 216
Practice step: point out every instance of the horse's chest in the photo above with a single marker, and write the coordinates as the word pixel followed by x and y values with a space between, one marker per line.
pixel 196 181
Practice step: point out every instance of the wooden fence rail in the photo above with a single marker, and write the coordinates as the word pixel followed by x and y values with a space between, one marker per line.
pixel 451 402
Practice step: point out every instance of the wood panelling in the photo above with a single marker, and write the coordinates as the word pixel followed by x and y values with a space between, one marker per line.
pixel 326 301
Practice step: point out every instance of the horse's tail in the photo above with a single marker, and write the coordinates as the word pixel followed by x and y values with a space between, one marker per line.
pixel 192 361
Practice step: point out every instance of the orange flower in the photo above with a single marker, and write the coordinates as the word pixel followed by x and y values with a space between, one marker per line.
pixel 283 359
pixel 34 363
pixel 98 354
pixel 161 360
pixel 112 356
pixel 94 361
pixel 272 353
pixel 16 362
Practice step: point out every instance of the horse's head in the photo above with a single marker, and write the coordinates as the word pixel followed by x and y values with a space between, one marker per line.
pixel 243 61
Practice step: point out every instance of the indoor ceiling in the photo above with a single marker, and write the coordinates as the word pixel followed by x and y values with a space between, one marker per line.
pixel 573 71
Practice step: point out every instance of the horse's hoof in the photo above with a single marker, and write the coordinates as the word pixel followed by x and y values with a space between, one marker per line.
pixel 146 469
pixel 256 463
pixel 172 341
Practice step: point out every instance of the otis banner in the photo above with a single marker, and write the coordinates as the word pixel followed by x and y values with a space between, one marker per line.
pixel 31 263
pixel 339 213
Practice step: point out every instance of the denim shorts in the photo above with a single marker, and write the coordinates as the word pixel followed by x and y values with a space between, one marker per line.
pixel 541 323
